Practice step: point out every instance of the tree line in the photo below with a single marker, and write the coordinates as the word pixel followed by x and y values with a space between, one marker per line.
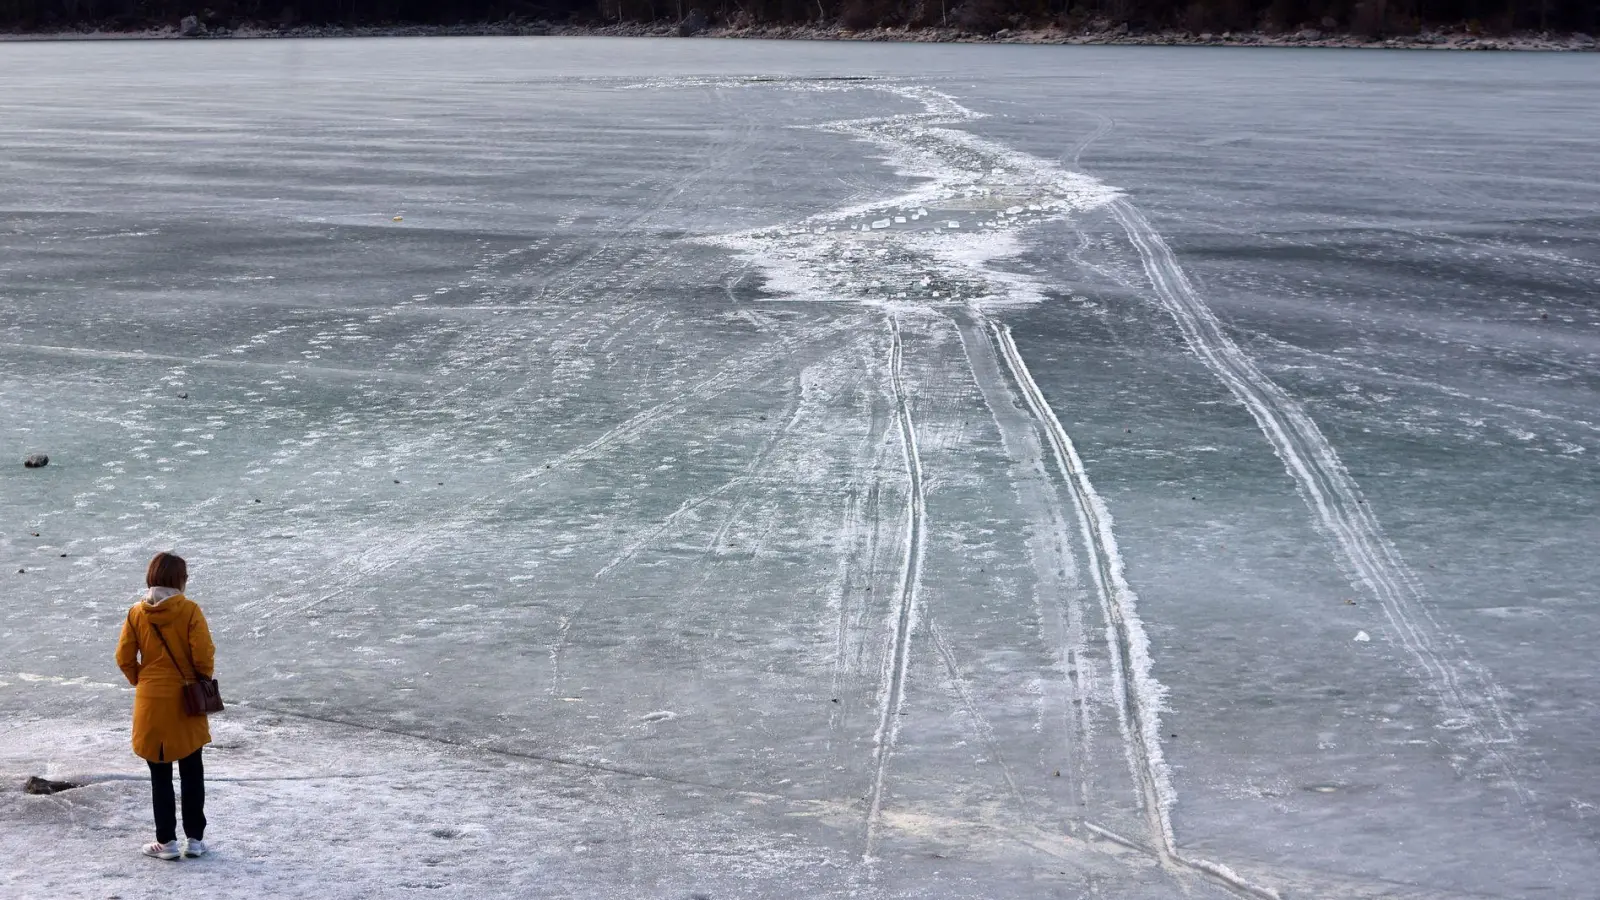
pixel 1377 18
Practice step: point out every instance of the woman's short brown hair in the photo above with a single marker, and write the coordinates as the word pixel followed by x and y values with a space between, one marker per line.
pixel 167 570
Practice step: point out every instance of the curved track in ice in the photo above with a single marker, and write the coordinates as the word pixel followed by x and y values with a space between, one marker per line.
pixel 898 661
pixel 1468 696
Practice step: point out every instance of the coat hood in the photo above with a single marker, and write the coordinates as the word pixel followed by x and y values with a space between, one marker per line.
pixel 163 605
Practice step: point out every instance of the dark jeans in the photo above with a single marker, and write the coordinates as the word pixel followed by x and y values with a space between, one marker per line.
pixel 192 773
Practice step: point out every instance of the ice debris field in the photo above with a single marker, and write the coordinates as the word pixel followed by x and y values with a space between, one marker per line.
pixel 691 469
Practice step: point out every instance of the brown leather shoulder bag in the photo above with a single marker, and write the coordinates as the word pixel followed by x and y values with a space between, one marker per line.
pixel 201 696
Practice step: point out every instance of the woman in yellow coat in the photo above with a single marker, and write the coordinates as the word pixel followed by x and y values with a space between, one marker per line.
pixel 163 624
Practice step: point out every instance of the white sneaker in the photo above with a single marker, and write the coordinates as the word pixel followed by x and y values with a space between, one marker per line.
pixel 193 849
pixel 169 850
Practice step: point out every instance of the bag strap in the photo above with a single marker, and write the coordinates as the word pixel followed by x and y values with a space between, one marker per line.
pixel 169 651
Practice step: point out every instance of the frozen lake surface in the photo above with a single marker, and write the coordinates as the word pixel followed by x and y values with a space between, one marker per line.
pixel 735 469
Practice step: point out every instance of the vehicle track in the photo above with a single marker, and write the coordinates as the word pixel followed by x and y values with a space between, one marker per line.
pixel 891 695
pixel 1139 696
pixel 1060 614
pixel 1467 695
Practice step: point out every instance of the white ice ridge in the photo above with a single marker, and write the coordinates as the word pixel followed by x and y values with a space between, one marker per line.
pixel 913 248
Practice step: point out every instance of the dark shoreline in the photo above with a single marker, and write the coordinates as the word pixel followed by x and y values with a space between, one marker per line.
pixel 1439 39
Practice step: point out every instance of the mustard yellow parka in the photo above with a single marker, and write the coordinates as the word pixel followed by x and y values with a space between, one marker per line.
pixel 162 731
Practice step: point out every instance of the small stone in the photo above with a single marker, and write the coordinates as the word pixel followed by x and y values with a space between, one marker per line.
pixel 835 700
pixel 397 481
pixel 63 556
pixel 258 499
pixel 22 571
pixel 36 461
pixel 183 396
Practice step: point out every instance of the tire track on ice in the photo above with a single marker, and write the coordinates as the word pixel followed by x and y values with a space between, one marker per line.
pixel 1468 696
pixel 1060 614
pixel 1139 696
pixel 958 682
pixel 891 696
pixel 858 565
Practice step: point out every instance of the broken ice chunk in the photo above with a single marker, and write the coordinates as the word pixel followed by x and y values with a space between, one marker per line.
pixel 899 220
pixel 881 223
pixel 1013 210
pixel 953 224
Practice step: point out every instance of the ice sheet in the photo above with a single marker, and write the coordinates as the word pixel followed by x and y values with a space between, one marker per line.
pixel 670 469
